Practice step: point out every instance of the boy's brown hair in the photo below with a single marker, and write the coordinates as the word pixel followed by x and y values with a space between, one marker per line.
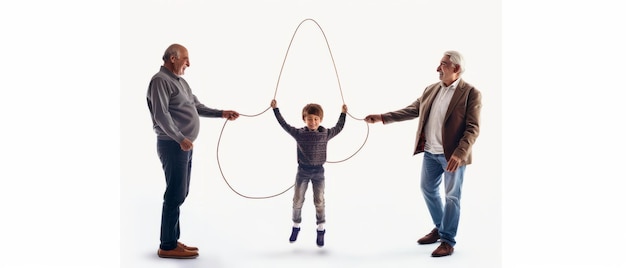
pixel 314 109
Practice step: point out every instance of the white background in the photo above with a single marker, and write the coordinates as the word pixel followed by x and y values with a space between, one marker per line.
pixel 80 193
pixel 385 55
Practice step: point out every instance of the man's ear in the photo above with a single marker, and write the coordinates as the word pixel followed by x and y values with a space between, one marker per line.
pixel 457 68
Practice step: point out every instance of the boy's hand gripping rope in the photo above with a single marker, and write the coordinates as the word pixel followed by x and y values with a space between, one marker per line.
pixel 275 92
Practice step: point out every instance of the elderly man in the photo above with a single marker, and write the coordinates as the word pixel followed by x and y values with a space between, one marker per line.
pixel 449 115
pixel 175 112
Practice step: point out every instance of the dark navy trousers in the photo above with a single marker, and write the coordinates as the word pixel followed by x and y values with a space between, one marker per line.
pixel 177 168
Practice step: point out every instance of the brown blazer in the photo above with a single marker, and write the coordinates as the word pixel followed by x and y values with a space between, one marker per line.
pixel 461 123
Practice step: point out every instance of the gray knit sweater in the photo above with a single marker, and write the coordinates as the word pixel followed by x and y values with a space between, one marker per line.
pixel 311 145
pixel 174 109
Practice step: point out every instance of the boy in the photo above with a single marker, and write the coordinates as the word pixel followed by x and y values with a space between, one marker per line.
pixel 312 141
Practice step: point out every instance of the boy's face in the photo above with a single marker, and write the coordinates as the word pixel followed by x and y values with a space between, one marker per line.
pixel 312 121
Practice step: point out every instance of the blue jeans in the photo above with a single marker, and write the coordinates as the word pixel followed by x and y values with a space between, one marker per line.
pixel 445 217
pixel 177 168
pixel 315 175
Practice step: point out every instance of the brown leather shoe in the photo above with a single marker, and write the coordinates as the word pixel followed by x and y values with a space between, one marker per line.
pixel 430 238
pixel 444 249
pixel 177 253
pixel 187 247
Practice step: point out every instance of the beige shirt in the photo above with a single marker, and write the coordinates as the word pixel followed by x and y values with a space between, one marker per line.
pixel 434 126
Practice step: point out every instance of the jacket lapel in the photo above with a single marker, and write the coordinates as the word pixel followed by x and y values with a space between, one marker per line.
pixel 459 92
pixel 429 103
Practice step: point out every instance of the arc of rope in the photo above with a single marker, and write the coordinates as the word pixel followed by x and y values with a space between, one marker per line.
pixel 229 186
pixel 329 51
pixel 266 109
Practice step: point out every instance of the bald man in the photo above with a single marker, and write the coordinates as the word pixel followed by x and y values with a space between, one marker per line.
pixel 175 113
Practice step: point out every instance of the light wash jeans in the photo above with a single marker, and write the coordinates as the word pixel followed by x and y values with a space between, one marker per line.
pixel 444 216
pixel 315 175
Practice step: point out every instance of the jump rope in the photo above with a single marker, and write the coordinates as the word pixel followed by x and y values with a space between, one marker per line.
pixel 268 108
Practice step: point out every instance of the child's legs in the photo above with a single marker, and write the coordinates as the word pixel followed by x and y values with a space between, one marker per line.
pixel 318 196
pixel 302 182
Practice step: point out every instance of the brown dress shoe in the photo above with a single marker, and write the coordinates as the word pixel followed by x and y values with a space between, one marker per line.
pixel 430 238
pixel 177 253
pixel 444 249
pixel 187 247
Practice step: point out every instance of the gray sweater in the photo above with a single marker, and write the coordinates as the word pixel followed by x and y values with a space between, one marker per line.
pixel 311 145
pixel 174 109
